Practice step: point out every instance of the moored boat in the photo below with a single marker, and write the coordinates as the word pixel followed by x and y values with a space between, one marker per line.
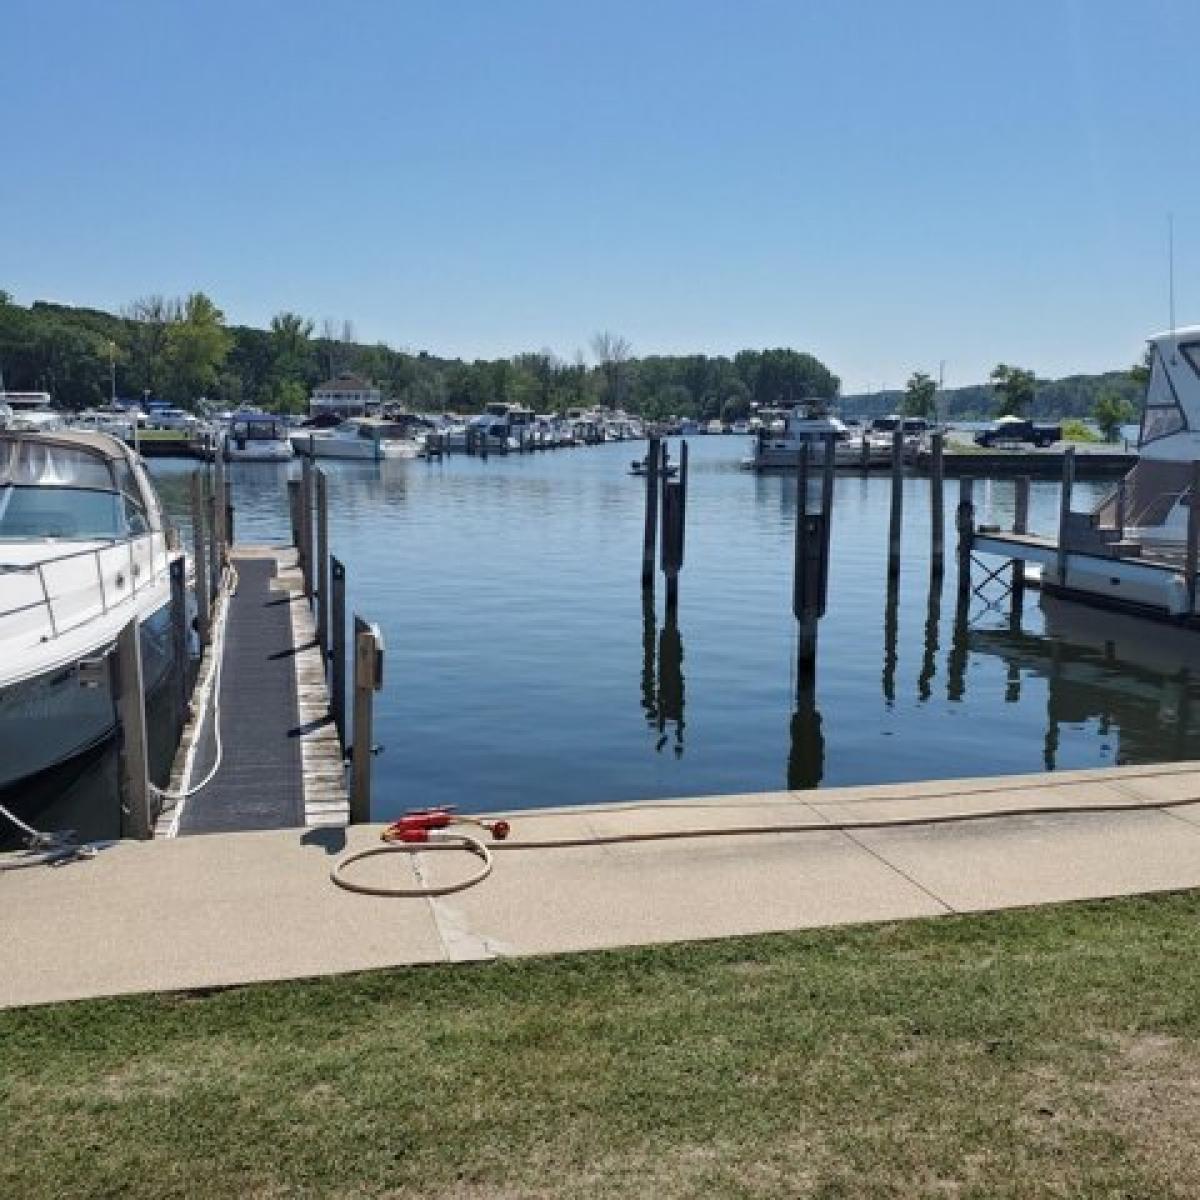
pixel 84 549
pixel 256 437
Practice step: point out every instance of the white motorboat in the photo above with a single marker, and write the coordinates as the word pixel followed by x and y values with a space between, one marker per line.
pixel 257 437
pixel 83 550
pixel 1156 495
pixel 362 438
pixel 31 411
pixel 784 431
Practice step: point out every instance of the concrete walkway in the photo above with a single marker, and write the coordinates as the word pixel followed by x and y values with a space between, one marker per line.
pixel 242 907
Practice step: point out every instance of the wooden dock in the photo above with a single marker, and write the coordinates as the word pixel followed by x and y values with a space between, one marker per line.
pixel 281 763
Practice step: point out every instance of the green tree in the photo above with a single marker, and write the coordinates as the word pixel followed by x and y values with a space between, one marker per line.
pixel 613 353
pixel 920 393
pixel 1014 390
pixel 1111 411
pixel 197 346
pixel 1140 371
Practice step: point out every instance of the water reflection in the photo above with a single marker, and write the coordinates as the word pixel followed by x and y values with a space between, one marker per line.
pixel 1134 682
pixel 891 632
pixel 806 755
pixel 662 677
pixel 933 618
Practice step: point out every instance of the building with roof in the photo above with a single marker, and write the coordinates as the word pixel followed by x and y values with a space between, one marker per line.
pixel 347 395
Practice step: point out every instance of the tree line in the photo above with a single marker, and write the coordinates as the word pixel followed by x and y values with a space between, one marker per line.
pixel 183 351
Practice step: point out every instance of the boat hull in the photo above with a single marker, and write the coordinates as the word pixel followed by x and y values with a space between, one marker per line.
pixel 50 718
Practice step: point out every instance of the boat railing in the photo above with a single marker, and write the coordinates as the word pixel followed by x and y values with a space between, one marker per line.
pixel 59 594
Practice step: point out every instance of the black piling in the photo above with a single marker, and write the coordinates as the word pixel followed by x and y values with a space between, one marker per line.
pixel 897 512
pixel 964 522
pixel 937 506
pixel 810 578
pixel 650 536
pixel 674 519
pixel 1020 525
pixel 337 643
pixel 1064 514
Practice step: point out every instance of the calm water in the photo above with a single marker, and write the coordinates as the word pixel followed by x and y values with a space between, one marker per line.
pixel 523 670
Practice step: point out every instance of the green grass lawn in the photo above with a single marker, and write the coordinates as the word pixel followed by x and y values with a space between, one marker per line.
pixel 164 435
pixel 1053 1052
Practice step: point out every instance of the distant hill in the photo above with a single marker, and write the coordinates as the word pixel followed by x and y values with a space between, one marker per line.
pixel 1071 396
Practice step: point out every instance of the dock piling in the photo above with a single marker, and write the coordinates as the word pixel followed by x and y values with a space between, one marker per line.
pixel 132 754
pixel 964 521
pixel 811 568
pixel 293 490
pixel 306 525
pixel 1020 525
pixel 337 653
pixel 199 559
pixel 674 518
pixel 937 505
pixel 368 679
pixel 897 513
pixel 322 562
pixel 179 651
pixel 1064 513
pixel 650 536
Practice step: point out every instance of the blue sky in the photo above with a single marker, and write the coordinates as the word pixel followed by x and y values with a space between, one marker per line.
pixel 884 184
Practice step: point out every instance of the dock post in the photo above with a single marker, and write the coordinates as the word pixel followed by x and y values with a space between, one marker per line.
pixel 1193 538
pixel 293 489
pixel 214 537
pixel 131 712
pixel 1020 525
pixel 1122 500
pixel 897 514
pixel 964 520
pixel 864 452
pixel 200 567
pixel 368 679
pixel 1064 513
pixel 306 525
pixel 179 652
pixel 220 500
pixel 483 446
pixel 650 537
pixel 937 506
pixel 229 512
pixel 337 653
pixel 322 562
pixel 674 510
pixel 811 570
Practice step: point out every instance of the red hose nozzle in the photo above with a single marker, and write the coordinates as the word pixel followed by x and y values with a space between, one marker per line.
pixel 498 829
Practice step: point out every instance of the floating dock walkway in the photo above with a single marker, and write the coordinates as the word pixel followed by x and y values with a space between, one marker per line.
pixel 281 761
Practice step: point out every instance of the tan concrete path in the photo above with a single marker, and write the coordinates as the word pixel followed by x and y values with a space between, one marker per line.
pixel 245 907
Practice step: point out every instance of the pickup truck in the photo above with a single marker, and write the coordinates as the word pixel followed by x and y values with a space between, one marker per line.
pixel 1018 429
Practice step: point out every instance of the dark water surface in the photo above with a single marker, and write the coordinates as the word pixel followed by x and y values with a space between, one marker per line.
pixel 523 669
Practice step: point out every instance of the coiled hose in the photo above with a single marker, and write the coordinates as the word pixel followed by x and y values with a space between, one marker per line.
pixel 437 839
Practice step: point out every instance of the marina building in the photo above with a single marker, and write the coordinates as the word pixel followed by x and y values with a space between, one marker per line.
pixel 347 395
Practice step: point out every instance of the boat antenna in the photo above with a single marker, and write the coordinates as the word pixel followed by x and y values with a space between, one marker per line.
pixel 1171 277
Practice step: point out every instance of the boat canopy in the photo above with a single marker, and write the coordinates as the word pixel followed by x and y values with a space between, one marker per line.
pixel 1171 412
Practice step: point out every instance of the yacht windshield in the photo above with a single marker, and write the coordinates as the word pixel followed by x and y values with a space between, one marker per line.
pixel 53 491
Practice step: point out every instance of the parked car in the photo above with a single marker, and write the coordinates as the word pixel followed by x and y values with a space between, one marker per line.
pixel 1019 429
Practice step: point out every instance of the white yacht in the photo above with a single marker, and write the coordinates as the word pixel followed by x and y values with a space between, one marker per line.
pixel 1157 491
pixel 31 411
pixel 257 437
pixel 783 431
pixel 361 438
pixel 83 549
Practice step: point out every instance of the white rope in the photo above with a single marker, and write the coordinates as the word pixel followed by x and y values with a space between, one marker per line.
pixel 229 582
